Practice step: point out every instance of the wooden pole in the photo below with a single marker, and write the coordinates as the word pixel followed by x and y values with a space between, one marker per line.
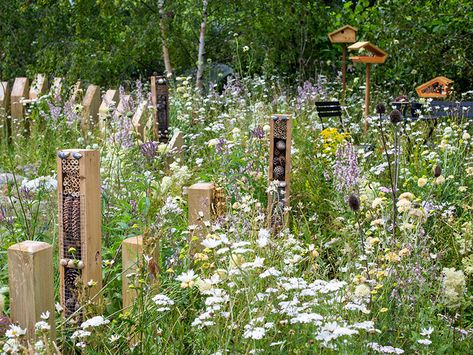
pixel 367 96
pixel 30 278
pixel 132 252
pixel 80 225
pixel 344 67
pixel 201 199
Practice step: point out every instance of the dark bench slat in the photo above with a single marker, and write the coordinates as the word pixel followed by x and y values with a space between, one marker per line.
pixel 326 109
pixel 329 114
pixel 327 103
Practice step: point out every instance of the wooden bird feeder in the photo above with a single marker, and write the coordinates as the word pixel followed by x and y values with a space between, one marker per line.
pixel 368 54
pixel 438 87
pixel 345 34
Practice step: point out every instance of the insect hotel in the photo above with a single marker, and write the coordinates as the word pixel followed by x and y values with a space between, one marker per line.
pixel 80 238
pixel 160 98
pixel 343 35
pixel 438 87
pixel 279 169
pixel 368 54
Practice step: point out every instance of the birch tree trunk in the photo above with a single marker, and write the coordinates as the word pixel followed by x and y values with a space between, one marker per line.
pixel 162 28
pixel 200 59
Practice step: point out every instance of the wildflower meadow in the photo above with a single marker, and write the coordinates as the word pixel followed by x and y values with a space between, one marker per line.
pixel 368 250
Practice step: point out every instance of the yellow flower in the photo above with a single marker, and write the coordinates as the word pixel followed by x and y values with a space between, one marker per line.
pixel 463 188
pixel 440 180
pixel 383 310
pixel 422 182
pixel 392 257
pixel 407 195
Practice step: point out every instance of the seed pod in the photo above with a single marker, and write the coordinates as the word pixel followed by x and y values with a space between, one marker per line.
pixel 354 202
pixel 380 108
pixel 395 116
pixel 437 171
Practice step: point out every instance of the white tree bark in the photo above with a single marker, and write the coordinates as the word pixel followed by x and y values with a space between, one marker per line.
pixel 162 28
pixel 201 56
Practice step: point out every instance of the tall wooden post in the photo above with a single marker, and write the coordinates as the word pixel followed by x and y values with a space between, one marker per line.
pixel 367 95
pixel 90 107
pixel 31 282
pixel 38 87
pixel 19 92
pixel 201 201
pixel 109 99
pixel 5 96
pixel 344 67
pixel 80 236
pixel 160 99
pixel 280 137
pixel 132 252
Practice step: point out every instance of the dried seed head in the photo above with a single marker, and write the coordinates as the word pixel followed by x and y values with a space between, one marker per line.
pixel 437 171
pixel 354 202
pixel 380 108
pixel 395 116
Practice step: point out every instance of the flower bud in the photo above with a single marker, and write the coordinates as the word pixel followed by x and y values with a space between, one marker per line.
pixel 395 116
pixel 380 108
pixel 354 202
pixel 437 171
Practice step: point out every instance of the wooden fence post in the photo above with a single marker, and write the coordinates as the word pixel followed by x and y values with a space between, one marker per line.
pixel 110 99
pixel 38 87
pixel 80 220
pixel 19 92
pixel 280 136
pixel 5 96
pixel 176 146
pixel 90 107
pixel 31 282
pixel 200 204
pixel 56 88
pixel 140 120
pixel 132 252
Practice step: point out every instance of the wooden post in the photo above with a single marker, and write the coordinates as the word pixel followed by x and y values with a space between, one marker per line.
pixel 90 107
pixel 132 252
pixel 140 120
pixel 39 87
pixel 123 104
pixel 344 68
pixel 160 99
pixel 31 282
pixel 280 136
pixel 76 92
pixel 5 96
pixel 176 146
pixel 367 96
pixel 19 92
pixel 110 99
pixel 80 220
pixel 200 203
pixel 56 88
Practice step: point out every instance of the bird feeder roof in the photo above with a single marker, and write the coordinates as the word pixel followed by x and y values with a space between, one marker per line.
pixel 345 34
pixel 375 55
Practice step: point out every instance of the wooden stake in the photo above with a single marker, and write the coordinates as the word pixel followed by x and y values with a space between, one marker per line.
pixel 31 282
pixel 109 99
pixel 90 107
pixel 176 146
pixel 367 96
pixel 19 92
pixel 80 224
pixel 201 198
pixel 344 68
pixel 39 87
pixel 4 96
pixel 132 252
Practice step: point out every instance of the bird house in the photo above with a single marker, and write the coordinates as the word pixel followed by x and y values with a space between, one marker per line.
pixel 160 99
pixel 368 53
pixel 345 34
pixel 438 87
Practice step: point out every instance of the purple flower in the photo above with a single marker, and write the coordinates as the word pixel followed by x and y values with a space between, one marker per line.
pixel 149 149
pixel 346 170
pixel 258 133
